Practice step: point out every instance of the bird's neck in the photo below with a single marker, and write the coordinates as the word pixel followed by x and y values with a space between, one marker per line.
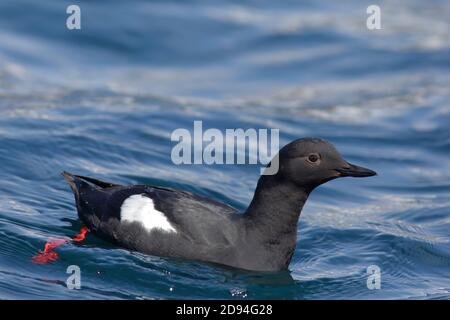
pixel 275 208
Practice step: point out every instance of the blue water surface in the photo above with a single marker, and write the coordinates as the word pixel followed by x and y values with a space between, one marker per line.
pixel 103 101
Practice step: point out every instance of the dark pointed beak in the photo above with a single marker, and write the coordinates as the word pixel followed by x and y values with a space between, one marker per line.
pixel 351 170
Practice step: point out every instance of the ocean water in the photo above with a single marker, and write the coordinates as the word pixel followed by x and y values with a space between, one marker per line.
pixel 103 101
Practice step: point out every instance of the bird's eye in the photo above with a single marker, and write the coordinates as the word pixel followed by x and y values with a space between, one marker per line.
pixel 313 158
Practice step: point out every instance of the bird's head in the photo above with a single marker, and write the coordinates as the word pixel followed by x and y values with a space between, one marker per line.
pixel 310 162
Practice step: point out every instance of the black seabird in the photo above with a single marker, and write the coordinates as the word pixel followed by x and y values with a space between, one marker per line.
pixel 174 223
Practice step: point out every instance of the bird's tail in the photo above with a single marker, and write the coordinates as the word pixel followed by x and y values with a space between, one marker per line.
pixel 70 178
pixel 89 197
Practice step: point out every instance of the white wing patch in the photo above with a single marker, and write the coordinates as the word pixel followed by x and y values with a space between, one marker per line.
pixel 139 208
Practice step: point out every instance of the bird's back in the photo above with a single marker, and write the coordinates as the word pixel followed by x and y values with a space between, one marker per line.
pixel 159 221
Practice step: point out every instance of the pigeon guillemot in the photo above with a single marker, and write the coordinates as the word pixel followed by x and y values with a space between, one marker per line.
pixel 174 223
